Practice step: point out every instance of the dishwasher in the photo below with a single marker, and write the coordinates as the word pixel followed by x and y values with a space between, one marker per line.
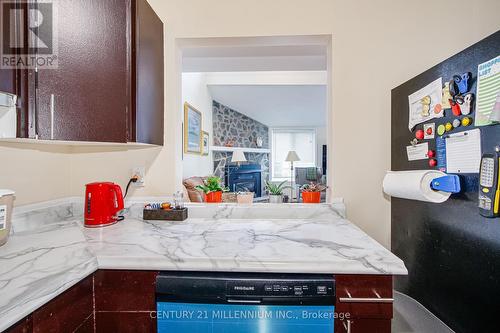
pixel 201 302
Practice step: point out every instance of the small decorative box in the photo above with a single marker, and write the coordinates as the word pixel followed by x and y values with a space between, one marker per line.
pixel 167 215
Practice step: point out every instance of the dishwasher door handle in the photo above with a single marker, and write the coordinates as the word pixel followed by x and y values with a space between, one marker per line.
pixel 246 301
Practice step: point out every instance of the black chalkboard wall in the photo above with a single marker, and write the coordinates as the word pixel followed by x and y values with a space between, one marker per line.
pixel 451 252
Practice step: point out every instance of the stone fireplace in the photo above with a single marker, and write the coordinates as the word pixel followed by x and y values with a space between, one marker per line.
pixel 234 129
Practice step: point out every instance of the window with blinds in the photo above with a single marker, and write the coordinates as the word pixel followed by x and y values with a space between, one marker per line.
pixel 303 141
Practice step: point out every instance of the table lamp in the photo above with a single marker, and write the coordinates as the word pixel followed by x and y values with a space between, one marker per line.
pixel 292 157
pixel 238 157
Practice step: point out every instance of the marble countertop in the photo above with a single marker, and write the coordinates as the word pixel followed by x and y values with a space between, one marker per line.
pixel 36 266
pixel 252 245
pixel 50 250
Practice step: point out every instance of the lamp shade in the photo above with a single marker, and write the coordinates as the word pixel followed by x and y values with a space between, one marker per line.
pixel 238 156
pixel 292 156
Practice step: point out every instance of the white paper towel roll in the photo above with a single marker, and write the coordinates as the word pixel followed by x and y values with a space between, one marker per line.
pixel 414 185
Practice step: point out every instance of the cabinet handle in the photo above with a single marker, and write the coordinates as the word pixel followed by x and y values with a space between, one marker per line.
pixel 365 300
pixel 52 110
pixel 347 326
pixel 377 299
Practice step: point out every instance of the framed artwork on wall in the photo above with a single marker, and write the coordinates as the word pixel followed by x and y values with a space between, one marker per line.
pixel 205 147
pixel 192 130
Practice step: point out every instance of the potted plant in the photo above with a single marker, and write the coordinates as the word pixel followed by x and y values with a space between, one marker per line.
pixel 212 189
pixel 276 191
pixel 245 197
pixel 311 193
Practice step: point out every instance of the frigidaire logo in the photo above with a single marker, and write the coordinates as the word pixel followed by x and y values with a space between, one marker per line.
pixel 29 35
pixel 244 288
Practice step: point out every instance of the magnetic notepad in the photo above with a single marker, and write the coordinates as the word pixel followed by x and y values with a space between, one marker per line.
pixel 463 152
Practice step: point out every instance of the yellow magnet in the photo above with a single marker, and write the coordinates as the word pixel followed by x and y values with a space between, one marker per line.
pixel 448 127
pixel 441 129
pixel 466 121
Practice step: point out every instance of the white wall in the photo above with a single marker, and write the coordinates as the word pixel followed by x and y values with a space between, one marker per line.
pixel 35 172
pixel 196 93
pixel 376 43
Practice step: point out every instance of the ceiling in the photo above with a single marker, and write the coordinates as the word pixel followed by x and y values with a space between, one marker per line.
pixel 276 105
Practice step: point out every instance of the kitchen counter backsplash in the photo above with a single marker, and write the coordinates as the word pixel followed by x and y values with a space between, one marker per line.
pixel 40 215
pixel 256 211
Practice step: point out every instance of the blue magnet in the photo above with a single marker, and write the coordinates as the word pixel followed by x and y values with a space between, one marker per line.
pixel 448 183
pixel 462 82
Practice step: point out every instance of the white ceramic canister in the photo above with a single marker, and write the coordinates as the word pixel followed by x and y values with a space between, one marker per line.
pixel 6 204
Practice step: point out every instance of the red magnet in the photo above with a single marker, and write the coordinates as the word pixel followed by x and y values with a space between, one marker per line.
pixel 419 135
pixel 432 162
pixel 431 154
pixel 455 108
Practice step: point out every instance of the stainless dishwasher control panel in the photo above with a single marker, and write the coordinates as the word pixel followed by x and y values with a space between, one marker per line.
pixel 278 288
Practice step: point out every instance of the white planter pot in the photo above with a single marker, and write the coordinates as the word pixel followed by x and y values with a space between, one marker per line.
pixel 275 199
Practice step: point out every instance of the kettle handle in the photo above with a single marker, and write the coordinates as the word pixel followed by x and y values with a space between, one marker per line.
pixel 119 197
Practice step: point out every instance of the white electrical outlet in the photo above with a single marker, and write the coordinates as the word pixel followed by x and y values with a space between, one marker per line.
pixel 140 173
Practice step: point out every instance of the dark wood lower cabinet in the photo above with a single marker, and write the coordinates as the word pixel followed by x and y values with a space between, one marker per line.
pixel 72 311
pixel 363 326
pixel 122 301
pixel 125 322
pixel 363 316
pixel 107 301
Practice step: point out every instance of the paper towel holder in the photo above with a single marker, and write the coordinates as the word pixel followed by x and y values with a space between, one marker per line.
pixel 448 183
pixel 414 185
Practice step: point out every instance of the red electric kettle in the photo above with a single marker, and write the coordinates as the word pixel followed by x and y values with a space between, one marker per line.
pixel 103 201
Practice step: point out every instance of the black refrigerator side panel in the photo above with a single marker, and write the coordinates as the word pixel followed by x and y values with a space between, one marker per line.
pixel 451 252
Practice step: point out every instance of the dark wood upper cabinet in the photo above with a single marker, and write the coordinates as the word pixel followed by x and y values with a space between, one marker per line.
pixel 108 85
pixel 8 80
pixel 147 78
pixel 8 77
pixel 86 97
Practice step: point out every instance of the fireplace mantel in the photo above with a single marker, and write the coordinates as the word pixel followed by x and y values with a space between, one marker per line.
pixel 245 150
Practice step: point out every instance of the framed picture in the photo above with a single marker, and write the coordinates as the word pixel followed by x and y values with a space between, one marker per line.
pixel 192 130
pixel 205 147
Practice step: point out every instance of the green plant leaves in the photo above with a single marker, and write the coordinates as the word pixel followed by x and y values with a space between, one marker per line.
pixel 313 187
pixel 212 184
pixel 276 189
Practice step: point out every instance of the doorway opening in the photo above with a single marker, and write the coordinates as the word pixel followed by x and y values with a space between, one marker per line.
pixel 256 110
